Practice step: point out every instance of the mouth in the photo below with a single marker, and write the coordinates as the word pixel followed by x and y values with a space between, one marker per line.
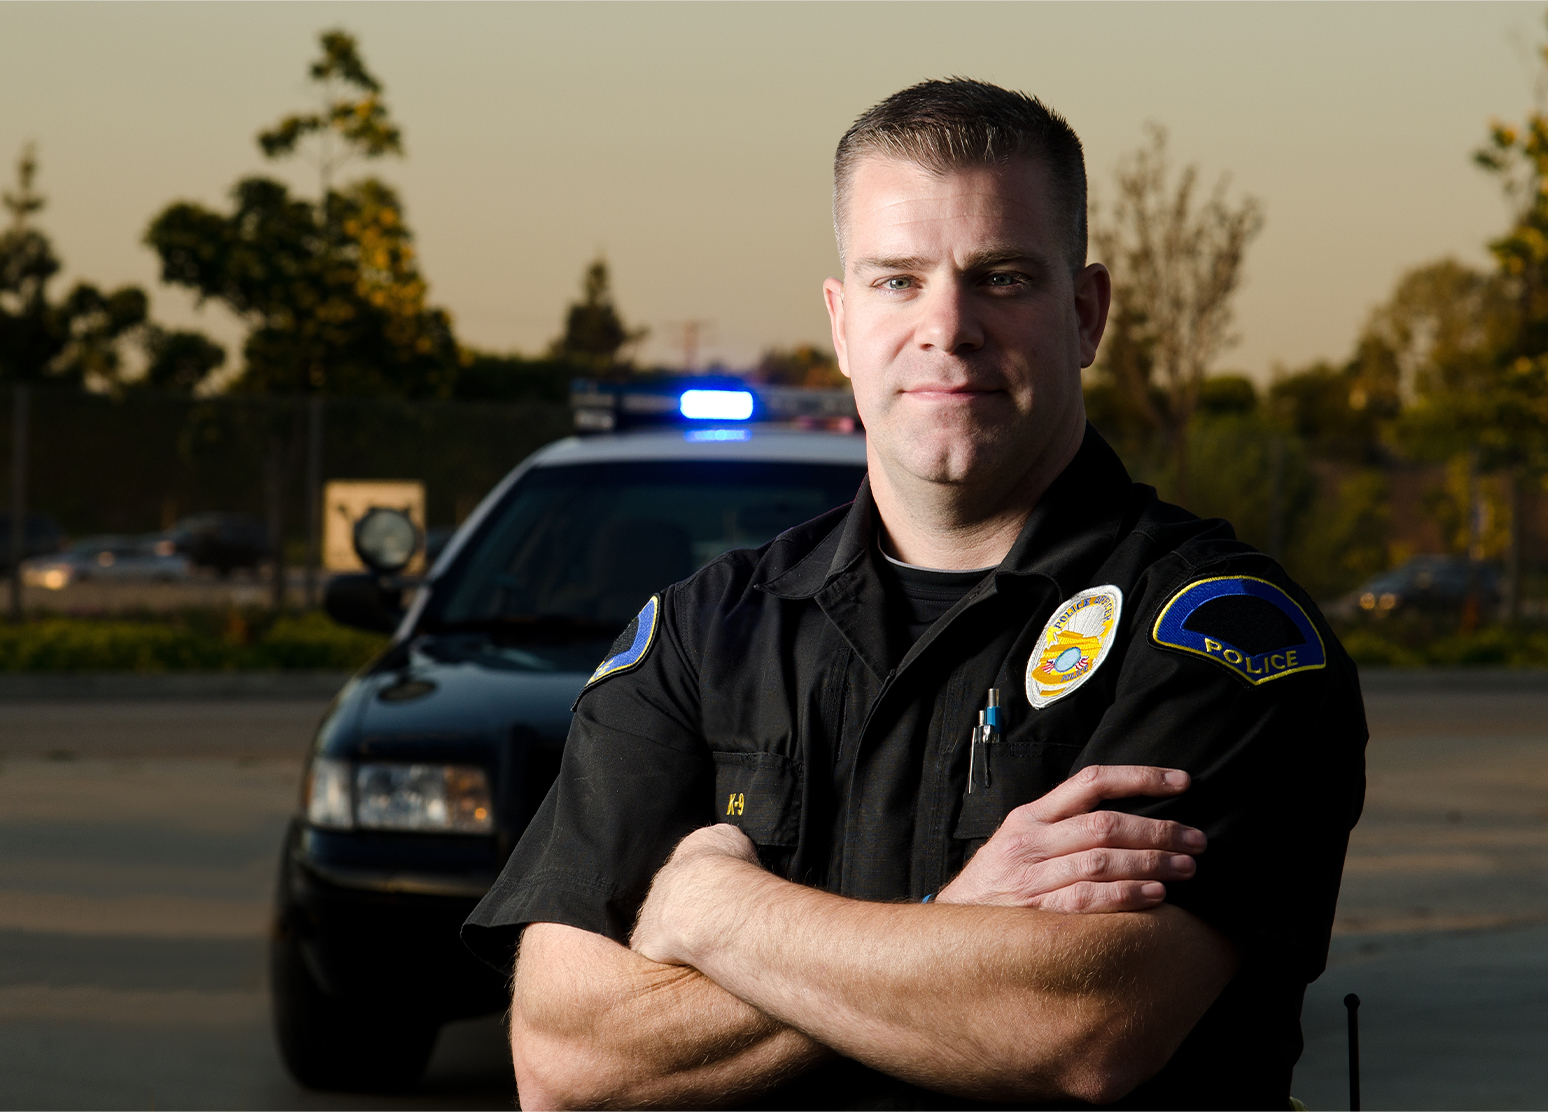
pixel 947 393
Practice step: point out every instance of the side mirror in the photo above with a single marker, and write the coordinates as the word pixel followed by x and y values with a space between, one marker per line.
pixel 386 540
pixel 362 602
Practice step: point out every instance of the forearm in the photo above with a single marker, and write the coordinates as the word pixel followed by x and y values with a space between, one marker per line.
pixel 595 1025
pixel 991 1002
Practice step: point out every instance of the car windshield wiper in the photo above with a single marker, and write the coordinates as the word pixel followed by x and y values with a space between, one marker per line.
pixel 532 627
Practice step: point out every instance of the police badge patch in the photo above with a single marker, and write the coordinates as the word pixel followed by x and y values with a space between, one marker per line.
pixel 632 644
pixel 1245 624
pixel 1073 644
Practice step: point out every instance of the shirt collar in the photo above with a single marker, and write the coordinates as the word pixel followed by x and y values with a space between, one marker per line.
pixel 1071 530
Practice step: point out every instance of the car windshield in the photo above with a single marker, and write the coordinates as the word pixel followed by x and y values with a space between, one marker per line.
pixel 574 552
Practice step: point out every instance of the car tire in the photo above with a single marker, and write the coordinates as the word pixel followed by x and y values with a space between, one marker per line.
pixel 333 1044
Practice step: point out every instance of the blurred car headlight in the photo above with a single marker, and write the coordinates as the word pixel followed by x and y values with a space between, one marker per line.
pixel 327 796
pixel 50 576
pixel 449 799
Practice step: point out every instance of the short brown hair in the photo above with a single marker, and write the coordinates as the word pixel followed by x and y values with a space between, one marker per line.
pixel 956 123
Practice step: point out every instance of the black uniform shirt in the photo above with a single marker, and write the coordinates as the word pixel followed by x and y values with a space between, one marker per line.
pixel 772 691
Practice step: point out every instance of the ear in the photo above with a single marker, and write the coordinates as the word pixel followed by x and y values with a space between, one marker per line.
pixel 1093 298
pixel 833 296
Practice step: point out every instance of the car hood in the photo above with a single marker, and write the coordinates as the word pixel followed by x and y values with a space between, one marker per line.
pixel 420 702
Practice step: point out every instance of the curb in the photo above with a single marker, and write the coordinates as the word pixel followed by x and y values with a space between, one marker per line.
pixel 65 687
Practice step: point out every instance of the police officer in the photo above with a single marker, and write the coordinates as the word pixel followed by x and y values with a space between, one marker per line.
pixel 1006 783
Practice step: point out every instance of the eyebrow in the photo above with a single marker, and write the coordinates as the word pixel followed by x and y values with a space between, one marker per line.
pixel 993 256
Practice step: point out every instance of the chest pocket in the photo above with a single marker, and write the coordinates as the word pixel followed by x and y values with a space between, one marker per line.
pixel 1011 773
pixel 761 794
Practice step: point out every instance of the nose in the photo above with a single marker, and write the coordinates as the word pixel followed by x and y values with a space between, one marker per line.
pixel 947 322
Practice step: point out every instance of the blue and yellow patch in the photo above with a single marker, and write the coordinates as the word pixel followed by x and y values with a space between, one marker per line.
pixel 1245 624
pixel 632 644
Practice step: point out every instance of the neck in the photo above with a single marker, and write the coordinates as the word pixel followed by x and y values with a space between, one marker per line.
pixel 964 526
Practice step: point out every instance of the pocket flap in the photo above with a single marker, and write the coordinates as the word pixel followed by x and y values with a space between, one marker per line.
pixel 761 794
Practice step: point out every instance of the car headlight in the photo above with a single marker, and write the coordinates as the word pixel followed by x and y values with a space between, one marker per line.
pixel 48 576
pixel 451 799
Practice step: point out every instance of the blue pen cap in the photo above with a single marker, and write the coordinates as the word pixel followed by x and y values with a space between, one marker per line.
pixel 992 711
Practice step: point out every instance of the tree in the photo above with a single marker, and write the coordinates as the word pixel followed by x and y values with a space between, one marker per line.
pixel 360 126
pixel 803 365
pixel 1346 411
pixel 1177 264
pixel 331 289
pixel 73 342
pixel 595 336
pixel 178 362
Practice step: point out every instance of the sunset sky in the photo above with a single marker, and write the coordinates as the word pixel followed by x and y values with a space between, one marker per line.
pixel 692 142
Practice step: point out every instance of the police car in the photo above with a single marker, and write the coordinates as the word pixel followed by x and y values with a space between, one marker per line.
pixel 431 761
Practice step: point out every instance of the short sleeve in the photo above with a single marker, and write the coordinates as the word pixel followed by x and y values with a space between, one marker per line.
pixel 635 778
pixel 1278 780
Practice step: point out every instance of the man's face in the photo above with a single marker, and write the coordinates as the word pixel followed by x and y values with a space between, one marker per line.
pixel 958 320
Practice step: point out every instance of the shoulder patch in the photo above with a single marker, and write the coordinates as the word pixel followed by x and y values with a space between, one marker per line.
pixel 1073 644
pixel 632 644
pixel 1245 624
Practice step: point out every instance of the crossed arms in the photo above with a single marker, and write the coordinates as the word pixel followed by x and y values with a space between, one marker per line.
pixel 1049 968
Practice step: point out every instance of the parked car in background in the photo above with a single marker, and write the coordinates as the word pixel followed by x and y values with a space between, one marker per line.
pixel 1428 584
pixel 222 541
pixel 109 559
pixel 42 536
pixel 429 763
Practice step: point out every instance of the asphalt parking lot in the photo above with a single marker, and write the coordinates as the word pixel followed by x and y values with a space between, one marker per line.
pixel 138 841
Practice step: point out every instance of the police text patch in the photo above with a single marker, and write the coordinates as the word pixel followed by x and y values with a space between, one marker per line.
pixel 1242 623
pixel 632 644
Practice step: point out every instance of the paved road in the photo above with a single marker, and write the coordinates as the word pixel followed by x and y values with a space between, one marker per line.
pixel 137 846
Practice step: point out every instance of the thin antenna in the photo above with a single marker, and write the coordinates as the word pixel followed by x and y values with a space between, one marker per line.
pixel 1352 1002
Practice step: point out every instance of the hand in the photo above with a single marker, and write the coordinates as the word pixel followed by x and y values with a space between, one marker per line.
pixel 1059 854
pixel 687 878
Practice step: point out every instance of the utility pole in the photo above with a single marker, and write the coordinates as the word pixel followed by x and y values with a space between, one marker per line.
pixel 1470 605
pixel 18 496
pixel 314 447
pixel 693 331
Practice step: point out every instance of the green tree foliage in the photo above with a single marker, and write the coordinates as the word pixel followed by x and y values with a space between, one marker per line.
pixel 1343 412
pixel 1227 396
pixel 487 377
pixel 352 121
pixel 76 341
pixel 1176 259
pixel 595 336
pixel 178 362
pixel 1343 537
pixel 803 365
pixel 331 289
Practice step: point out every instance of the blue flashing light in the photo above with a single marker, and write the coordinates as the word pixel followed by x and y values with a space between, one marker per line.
pixel 697 436
pixel 716 405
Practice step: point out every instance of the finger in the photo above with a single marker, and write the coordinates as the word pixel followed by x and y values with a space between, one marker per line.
pixel 1087 897
pixel 1096 783
pixel 1112 865
pixel 1115 830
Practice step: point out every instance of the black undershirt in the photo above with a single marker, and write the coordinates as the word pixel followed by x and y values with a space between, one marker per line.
pixel 918 597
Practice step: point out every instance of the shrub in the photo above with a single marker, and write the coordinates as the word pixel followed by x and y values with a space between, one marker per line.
pixel 195 641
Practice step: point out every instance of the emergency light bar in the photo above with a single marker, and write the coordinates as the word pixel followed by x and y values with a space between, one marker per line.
pixel 697 400
pixel 716 405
